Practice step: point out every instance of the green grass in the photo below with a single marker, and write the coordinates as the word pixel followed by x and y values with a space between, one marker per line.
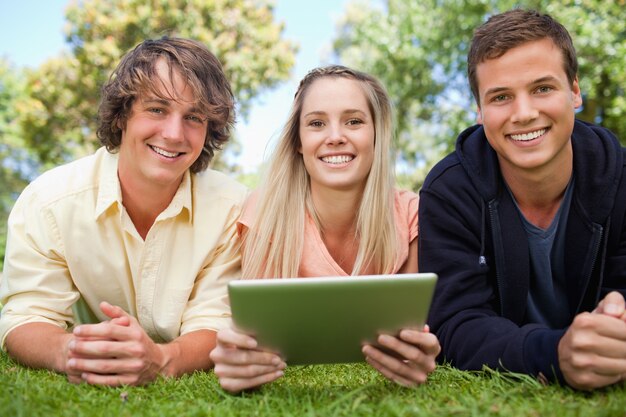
pixel 333 390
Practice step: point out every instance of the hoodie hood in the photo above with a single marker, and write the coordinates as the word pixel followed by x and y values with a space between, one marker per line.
pixel 597 170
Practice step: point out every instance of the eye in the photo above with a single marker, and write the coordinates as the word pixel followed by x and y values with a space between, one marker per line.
pixel 354 122
pixel 499 98
pixel 544 89
pixel 316 123
pixel 194 118
pixel 155 110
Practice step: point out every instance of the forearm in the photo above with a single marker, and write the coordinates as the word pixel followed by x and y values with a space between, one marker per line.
pixel 188 353
pixel 39 345
pixel 473 339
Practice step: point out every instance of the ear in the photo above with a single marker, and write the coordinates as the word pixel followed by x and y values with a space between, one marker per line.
pixel 479 116
pixel 119 124
pixel 577 97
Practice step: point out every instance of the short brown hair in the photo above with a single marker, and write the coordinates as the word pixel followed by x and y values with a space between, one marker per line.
pixel 136 74
pixel 513 28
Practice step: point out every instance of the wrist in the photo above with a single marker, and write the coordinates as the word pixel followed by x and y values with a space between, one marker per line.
pixel 60 362
pixel 167 354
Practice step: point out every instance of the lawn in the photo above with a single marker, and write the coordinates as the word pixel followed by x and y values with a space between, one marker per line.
pixel 330 390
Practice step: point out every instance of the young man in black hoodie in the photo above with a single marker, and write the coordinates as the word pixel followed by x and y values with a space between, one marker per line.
pixel 524 222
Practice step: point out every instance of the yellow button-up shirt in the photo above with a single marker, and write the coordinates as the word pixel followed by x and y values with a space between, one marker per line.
pixel 71 245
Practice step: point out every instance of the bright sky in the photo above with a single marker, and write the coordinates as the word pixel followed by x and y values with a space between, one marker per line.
pixel 32 31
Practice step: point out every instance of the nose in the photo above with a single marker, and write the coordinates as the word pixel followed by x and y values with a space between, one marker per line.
pixel 335 135
pixel 524 110
pixel 172 128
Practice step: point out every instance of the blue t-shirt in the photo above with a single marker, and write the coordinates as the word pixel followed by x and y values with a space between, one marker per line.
pixel 547 297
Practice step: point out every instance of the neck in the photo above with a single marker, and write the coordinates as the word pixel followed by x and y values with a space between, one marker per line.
pixel 337 209
pixel 337 213
pixel 144 203
pixel 539 194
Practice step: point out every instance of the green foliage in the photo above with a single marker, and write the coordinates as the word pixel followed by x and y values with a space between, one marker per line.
pixel 418 49
pixel 598 29
pixel 61 121
pixel 329 390
pixel 48 115
pixel 15 161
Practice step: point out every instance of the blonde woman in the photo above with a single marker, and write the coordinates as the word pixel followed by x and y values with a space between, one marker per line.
pixel 328 207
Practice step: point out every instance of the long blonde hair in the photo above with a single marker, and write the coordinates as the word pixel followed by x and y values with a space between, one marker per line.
pixel 273 246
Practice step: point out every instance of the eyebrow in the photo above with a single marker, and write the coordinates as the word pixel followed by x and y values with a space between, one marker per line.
pixel 321 113
pixel 547 78
pixel 495 90
pixel 156 100
pixel 165 102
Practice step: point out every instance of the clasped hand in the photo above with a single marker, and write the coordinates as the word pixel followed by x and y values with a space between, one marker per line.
pixel 114 352
pixel 592 352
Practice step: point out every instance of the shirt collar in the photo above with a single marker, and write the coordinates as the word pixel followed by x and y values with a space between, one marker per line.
pixel 182 200
pixel 110 191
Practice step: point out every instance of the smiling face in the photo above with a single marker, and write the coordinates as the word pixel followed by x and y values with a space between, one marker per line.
pixel 336 134
pixel 527 108
pixel 162 137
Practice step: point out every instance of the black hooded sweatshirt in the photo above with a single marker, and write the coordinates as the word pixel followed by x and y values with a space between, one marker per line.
pixel 472 236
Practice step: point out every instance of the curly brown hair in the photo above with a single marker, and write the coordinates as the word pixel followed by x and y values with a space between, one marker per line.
pixel 136 75
pixel 511 29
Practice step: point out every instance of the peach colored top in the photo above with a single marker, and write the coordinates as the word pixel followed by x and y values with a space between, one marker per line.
pixel 316 261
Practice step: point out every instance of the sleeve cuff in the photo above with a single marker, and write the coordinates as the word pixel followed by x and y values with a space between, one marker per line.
pixel 541 354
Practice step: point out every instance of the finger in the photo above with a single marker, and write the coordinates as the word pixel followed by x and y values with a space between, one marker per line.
pixel 612 305
pixel 599 365
pixel 106 330
pixel 105 366
pixel 410 352
pixel 115 380
pixel 103 349
pixel 609 348
pixel 590 380
pixel 388 373
pixel 72 353
pixel 74 379
pixel 233 337
pixel 237 356
pixel 234 385
pixel 426 341
pixel 121 321
pixel 407 370
pixel 223 370
pixel 112 311
pixel 598 325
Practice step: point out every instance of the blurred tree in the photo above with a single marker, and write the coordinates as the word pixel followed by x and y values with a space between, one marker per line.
pixel 61 122
pixel 418 49
pixel 16 163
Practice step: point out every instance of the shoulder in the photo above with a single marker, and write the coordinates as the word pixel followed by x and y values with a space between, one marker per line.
pixel 406 211
pixel 67 180
pixel 248 213
pixel 217 185
pixel 405 201
pixel 448 170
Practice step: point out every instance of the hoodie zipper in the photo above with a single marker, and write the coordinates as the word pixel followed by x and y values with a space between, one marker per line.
pixel 497 237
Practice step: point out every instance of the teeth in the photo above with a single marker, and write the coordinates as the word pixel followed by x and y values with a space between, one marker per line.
pixel 337 159
pixel 529 136
pixel 164 152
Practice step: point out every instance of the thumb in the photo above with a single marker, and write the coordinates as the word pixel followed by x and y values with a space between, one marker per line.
pixel 612 305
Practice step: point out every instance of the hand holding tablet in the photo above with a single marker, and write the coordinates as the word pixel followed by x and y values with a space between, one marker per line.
pixel 327 320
